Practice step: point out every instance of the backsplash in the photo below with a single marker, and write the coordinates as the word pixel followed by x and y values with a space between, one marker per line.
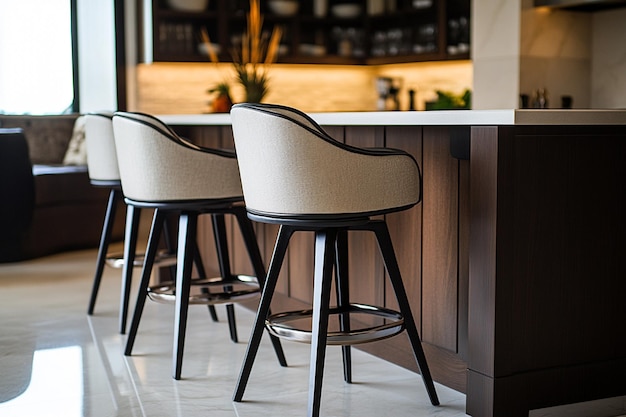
pixel 582 55
pixel 608 71
pixel 181 88
pixel 555 53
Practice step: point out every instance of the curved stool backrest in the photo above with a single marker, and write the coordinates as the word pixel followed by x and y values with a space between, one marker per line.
pixel 101 156
pixel 157 165
pixel 291 168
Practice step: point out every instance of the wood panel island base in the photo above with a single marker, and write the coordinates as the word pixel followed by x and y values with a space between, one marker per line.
pixel 514 261
pixel 547 273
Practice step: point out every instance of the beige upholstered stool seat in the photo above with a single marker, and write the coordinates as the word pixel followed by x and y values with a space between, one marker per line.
pixel 296 175
pixel 162 171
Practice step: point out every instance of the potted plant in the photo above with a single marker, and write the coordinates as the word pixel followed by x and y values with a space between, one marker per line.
pixel 253 58
pixel 222 101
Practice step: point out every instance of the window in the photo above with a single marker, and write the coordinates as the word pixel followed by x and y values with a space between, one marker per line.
pixel 36 64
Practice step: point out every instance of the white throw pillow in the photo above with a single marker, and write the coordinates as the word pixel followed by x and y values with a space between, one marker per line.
pixel 76 153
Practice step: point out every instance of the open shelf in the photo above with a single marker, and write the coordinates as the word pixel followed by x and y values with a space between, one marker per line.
pixel 409 33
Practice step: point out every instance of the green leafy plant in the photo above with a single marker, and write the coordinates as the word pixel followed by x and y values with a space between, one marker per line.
pixel 257 53
pixel 450 101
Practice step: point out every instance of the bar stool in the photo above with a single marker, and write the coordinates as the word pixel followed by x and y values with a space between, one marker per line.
pixel 161 171
pixel 104 172
pixel 293 174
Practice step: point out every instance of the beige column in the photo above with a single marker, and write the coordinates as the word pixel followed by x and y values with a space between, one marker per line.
pixel 496 53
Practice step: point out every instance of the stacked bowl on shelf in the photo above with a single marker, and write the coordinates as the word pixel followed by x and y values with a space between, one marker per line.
pixel 188 5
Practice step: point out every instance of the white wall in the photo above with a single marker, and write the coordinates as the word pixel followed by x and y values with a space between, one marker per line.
pixel 132 43
pixel 496 53
pixel 608 68
pixel 96 49
pixel 555 54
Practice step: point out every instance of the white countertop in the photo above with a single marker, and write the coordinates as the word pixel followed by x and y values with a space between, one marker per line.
pixel 433 118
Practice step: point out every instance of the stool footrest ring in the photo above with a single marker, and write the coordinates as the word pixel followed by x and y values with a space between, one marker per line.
pixel 393 323
pixel 231 290
pixel 163 258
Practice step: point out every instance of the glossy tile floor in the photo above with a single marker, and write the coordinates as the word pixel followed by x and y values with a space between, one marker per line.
pixel 55 361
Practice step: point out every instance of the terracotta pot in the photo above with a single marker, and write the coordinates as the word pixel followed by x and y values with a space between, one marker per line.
pixel 221 104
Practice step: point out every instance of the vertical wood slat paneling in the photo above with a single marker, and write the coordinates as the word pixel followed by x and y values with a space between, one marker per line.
pixel 440 237
pixel 239 259
pixel 406 227
pixel 464 222
pixel 366 268
pixel 266 234
pixel 301 266
pixel 406 231
pixel 206 244
pixel 482 267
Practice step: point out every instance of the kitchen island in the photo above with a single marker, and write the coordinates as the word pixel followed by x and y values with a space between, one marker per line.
pixel 513 261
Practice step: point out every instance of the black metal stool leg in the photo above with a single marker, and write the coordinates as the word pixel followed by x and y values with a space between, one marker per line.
pixel 105 239
pixel 212 310
pixel 249 238
pixel 133 215
pixel 324 250
pixel 221 246
pixel 142 292
pixel 343 297
pixel 186 243
pixel 282 241
pixel 391 264
pixel 197 260
pixel 232 323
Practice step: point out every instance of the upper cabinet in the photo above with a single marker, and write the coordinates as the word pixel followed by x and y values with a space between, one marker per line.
pixel 314 31
pixel 581 5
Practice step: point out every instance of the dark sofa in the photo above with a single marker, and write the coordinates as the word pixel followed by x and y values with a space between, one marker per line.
pixel 46 207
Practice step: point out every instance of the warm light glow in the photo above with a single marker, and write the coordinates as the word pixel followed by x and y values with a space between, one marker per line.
pixel 543 10
pixel 180 88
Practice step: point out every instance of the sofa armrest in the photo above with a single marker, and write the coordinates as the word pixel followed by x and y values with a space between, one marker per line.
pixel 16 190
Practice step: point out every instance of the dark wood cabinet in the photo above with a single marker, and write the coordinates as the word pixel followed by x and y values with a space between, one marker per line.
pixel 413 31
pixel 547 272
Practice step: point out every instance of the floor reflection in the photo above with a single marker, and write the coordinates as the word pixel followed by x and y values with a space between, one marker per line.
pixel 55 387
